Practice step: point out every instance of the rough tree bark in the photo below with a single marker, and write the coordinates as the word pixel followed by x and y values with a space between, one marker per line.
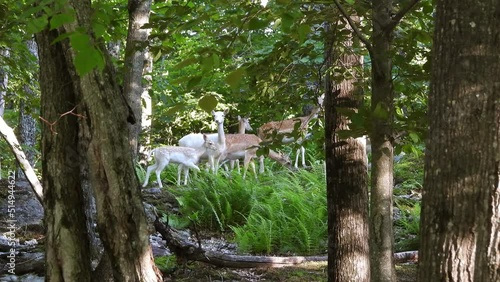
pixel 97 116
pixel 346 177
pixel 66 248
pixel 460 221
pixel 384 22
pixel 135 57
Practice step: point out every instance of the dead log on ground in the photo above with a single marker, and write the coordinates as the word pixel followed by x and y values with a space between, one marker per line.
pixel 185 251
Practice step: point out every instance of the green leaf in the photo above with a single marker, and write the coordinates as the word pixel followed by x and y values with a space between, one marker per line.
pixel 287 21
pixel 79 41
pixel 186 62
pixel 256 23
pixel 193 82
pixel 380 112
pixel 38 24
pixel 60 19
pixel 304 30
pixel 414 137
pixel 88 59
pixel 207 64
pixel 234 78
pixel 208 103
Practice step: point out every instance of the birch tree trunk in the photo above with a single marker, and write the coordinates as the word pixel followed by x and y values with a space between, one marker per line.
pixel 135 57
pixel 460 221
pixel 4 81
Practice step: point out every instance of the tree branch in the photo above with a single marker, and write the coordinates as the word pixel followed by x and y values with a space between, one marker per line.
pixel 397 17
pixel 9 136
pixel 356 30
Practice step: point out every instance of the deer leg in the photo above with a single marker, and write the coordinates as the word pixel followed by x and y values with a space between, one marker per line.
pixel 261 164
pixel 159 169
pixel 179 172
pixel 148 172
pixel 303 154
pixel 186 175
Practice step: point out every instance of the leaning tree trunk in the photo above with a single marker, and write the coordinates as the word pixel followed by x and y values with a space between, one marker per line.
pixel 135 56
pixel 96 105
pixel 460 221
pixel 346 177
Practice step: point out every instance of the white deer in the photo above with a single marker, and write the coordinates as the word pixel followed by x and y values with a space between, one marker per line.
pixel 195 140
pixel 184 156
pixel 284 128
pixel 244 146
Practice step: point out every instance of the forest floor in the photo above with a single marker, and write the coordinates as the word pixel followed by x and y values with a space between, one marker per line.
pixel 31 213
pixel 311 271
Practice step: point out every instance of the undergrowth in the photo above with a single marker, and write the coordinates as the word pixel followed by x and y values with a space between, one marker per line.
pixel 282 212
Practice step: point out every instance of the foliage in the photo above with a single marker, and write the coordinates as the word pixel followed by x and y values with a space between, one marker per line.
pixel 407 228
pixel 408 174
pixel 166 263
pixel 409 177
pixel 216 202
pixel 281 212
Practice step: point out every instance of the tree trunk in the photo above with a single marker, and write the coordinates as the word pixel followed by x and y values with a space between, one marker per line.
pixel 66 248
pixel 147 110
pixel 27 123
pixel 135 56
pixel 4 81
pixel 461 201
pixel 346 177
pixel 382 106
pixel 94 102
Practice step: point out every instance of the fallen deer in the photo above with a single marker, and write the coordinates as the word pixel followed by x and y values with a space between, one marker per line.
pixel 283 129
pixel 184 156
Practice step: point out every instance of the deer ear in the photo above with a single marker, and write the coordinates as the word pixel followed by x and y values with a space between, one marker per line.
pixel 213 112
pixel 239 118
pixel 226 111
pixel 205 137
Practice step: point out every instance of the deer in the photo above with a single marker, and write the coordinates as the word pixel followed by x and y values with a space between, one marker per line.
pixel 196 140
pixel 243 126
pixel 244 146
pixel 184 156
pixel 284 128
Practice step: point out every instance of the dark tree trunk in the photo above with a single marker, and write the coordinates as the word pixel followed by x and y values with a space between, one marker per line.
pixel 135 56
pixel 97 125
pixel 66 247
pixel 347 187
pixel 460 221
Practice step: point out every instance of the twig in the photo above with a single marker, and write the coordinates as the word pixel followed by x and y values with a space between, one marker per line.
pixel 52 124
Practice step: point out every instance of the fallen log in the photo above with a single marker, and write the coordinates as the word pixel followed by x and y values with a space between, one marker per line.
pixel 185 251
